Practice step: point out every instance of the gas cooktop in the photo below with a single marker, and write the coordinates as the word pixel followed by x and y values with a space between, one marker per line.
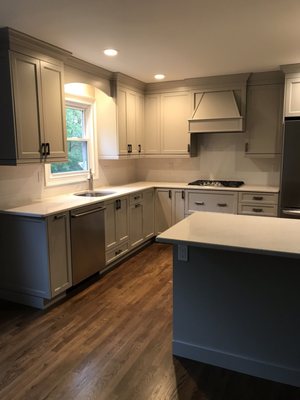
pixel 208 182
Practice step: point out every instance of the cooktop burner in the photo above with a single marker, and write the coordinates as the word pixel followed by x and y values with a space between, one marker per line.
pixel 208 182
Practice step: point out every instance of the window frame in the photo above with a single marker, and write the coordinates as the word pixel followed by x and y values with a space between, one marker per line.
pixel 63 178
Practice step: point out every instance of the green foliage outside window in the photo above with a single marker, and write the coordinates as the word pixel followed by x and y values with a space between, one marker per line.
pixel 77 150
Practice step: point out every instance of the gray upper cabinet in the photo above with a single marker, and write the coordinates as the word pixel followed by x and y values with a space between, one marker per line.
pixel 32 114
pixel 264 119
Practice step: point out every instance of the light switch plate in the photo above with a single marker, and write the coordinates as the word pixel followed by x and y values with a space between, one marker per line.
pixel 182 252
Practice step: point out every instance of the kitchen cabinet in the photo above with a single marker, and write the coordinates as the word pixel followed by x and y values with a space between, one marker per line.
pixel 258 203
pixel 32 110
pixel 264 120
pixel 292 95
pixel 141 217
pixel 40 269
pixel 197 200
pixel 169 208
pixel 166 126
pixel 148 214
pixel 116 228
pixel 130 126
pixel 136 234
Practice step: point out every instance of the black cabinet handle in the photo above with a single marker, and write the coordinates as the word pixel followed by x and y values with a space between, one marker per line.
pixel 258 198
pixel 129 148
pixel 170 194
pixel 257 210
pixel 47 147
pixel 43 149
pixel 183 194
pixel 118 204
pixel 60 216
pixel 199 203
pixel 222 204
pixel 139 148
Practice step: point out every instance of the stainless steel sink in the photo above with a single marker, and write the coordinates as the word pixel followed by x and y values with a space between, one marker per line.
pixel 94 193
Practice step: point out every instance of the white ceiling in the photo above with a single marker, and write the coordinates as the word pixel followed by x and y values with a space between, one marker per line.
pixel 180 38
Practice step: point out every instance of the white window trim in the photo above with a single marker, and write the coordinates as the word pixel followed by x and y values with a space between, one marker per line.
pixel 91 126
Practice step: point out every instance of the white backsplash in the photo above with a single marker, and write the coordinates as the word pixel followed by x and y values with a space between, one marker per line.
pixel 24 184
pixel 221 157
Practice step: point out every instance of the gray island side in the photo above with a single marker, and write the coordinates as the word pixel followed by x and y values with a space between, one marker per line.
pixel 236 293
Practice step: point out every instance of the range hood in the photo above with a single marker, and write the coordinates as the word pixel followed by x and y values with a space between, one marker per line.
pixel 216 111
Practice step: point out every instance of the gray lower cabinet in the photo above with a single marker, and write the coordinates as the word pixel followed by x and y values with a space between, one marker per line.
pixel 214 201
pixel 169 208
pixel 258 203
pixel 32 114
pixel 141 217
pixel 36 261
pixel 116 228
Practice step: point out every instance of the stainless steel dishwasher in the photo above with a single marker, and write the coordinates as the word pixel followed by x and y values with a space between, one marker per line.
pixel 87 241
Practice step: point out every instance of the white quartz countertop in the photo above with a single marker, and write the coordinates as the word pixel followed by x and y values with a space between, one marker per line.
pixel 263 235
pixel 60 203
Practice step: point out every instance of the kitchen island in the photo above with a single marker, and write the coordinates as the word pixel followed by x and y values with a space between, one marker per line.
pixel 236 293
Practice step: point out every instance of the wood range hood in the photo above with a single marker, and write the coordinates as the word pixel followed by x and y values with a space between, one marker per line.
pixel 216 111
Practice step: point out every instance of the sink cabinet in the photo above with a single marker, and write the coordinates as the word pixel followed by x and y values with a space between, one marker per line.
pixel 32 113
pixel 36 260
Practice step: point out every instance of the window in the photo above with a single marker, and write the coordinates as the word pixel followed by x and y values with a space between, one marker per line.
pixel 81 146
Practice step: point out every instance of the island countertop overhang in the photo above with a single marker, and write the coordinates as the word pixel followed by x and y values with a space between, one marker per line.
pixel 260 235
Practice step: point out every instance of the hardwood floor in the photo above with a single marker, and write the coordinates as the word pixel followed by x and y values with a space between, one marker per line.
pixel 112 341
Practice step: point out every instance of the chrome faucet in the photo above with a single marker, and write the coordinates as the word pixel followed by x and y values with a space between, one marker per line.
pixel 91 180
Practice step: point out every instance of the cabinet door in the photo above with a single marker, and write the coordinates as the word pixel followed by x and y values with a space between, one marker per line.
pixel 152 124
pixel 163 210
pixel 131 113
pixel 54 110
pixel 148 214
pixel 264 119
pixel 110 225
pixel 175 111
pixel 27 102
pixel 59 253
pixel 178 197
pixel 140 124
pixel 292 97
pixel 122 121
pixel 122 220
pixel 136 224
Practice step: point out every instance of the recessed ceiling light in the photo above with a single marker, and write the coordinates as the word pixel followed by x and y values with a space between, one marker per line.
pixel 110 52
pixel 159 76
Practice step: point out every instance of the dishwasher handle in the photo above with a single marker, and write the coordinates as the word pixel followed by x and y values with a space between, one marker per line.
pixel 88 212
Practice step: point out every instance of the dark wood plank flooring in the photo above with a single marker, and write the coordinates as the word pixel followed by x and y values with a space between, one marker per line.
pixel 112 341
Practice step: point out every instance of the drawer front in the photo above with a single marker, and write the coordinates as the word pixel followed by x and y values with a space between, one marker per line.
pixel 136 197
pixel 213 202
pixel 256 197
pixel 117 252
pixel 260 210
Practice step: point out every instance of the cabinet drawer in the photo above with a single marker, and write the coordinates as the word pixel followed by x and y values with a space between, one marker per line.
pixel 257 197
pixel 117 252
pixel 255 209
pixel 214 202
pixel 136 197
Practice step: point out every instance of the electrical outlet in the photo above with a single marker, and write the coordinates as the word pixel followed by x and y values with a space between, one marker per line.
pixel 182 252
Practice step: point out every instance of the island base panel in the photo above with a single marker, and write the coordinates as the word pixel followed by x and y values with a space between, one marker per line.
pixel 239 311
